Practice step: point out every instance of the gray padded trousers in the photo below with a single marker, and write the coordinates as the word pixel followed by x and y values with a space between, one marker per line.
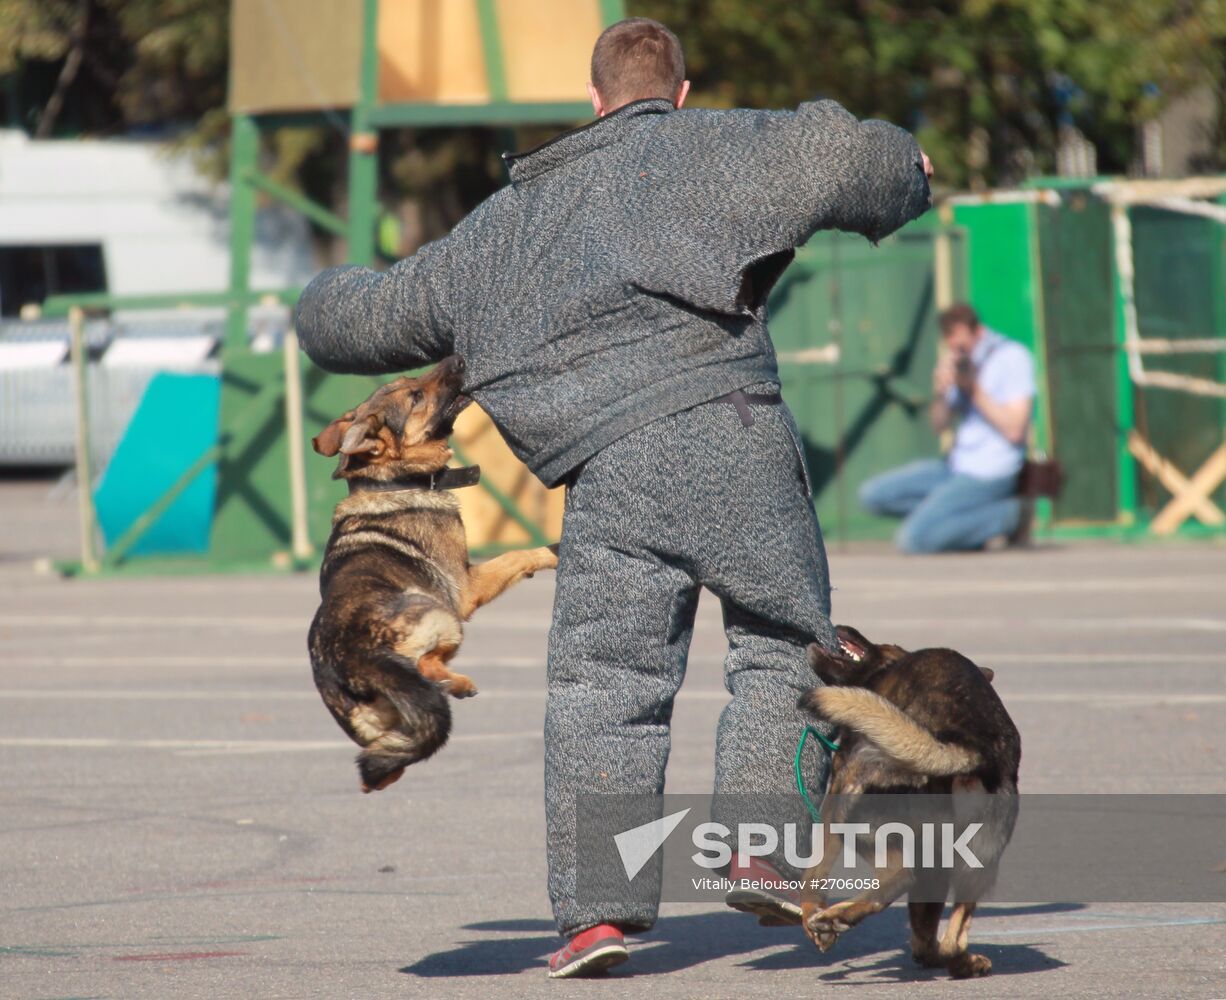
pixel 692 500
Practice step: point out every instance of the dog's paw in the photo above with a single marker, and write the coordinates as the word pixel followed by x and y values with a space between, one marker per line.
pixel 968 966
pixel 824 929
pixel 459 686
pixel 927 957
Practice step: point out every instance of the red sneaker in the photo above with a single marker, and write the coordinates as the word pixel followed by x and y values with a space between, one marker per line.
pixel 758 888
pixel 589 953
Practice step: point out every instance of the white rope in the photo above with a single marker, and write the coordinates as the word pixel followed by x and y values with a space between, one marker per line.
pixel 1121 229
pixel 1134 345
pixel 1189 207
pixel 1030 196
pixel 1184 383
pixel 1127 192
pixel 827 354
pixel 1151 345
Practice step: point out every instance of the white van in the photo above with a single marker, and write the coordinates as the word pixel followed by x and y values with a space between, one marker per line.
pixel 126 216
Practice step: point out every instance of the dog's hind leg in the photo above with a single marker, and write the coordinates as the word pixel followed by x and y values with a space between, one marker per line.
pixel 954 945
pixel 487 580
pixel 925 920
pixel 431 636
pixel 433 666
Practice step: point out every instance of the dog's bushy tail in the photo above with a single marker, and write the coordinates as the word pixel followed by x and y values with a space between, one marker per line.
pixel 892 730
pixel 426 715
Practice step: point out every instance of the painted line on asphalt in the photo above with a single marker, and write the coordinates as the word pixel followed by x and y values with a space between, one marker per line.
pixel 208 747
pixel 221 660
pixel 1032 624
pixel 78 621
pixel 1122 925
pixel 1113 699
pixel 13 664
pixel 232 623
pixel 1160 658
pixel 1127 699
pixel 1096 699
pixel 271 623
pixel 878 587
pixel 118 694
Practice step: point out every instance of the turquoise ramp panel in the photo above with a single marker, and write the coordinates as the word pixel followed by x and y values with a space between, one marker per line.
pixel 174 424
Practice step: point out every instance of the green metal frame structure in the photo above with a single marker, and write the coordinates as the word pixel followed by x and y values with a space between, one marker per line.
pixel 252 385
pixel 1012 251
pixel 366 118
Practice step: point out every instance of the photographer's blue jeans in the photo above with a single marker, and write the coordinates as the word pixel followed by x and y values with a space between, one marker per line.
pixel 942 511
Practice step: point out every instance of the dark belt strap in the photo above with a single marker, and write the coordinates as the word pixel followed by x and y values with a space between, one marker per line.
pixel 744 400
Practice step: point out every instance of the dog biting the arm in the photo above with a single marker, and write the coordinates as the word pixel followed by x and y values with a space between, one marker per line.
pixel 396 583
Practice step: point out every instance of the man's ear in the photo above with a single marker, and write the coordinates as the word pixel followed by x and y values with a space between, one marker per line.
pixel 682 93
pixel 328 441
pixel 597 103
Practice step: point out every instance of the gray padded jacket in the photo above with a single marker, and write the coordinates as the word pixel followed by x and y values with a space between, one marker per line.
pixel 622 275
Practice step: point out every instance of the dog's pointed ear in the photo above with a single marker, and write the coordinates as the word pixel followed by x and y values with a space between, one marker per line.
pixel 989 674
pixel 362 437
pixel 328 441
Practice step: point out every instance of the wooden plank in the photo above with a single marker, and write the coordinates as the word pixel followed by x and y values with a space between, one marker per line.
pixel 294 55
pixel 1174 481
pixel 1193 499
pixel 485 520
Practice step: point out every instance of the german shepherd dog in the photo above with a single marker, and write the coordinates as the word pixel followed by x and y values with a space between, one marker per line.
pixel 926 722
pixel 396 582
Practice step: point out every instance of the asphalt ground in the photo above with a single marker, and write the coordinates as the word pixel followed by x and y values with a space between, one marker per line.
pixel 180 818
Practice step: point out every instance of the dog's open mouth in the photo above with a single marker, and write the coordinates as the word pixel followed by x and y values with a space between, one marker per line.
pixel 447 416
pixel 851 649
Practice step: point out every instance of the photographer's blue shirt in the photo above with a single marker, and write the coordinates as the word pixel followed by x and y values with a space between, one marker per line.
pixel 1006 373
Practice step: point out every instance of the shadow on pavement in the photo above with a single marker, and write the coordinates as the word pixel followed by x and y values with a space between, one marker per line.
pixel 680 942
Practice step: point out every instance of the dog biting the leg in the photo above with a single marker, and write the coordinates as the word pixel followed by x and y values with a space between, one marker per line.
pixel 396 583
pixel 926 722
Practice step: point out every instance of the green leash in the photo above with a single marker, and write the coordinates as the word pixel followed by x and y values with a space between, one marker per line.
pixel 800 777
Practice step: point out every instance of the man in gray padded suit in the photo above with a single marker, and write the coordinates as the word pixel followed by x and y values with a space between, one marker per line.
pixel 610 303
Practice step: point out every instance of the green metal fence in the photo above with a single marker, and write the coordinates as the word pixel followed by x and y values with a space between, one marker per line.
pixel 1181 296
pixel 1045 266
pixel 854 327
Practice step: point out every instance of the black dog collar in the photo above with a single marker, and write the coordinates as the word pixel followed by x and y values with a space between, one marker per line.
pixel 444 479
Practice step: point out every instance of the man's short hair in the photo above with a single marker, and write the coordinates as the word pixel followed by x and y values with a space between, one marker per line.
pixel 636 59
pixel 959 314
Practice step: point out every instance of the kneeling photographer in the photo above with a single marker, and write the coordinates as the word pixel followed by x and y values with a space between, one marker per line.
pixel 983 386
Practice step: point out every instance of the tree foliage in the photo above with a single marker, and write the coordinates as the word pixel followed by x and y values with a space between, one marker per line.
pixel 118 64
pixel 985 84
